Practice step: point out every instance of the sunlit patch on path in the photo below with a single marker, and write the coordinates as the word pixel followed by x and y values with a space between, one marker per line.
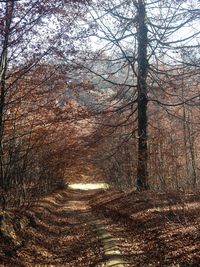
pixel 76 205
pixel 88 186
pixel 112 254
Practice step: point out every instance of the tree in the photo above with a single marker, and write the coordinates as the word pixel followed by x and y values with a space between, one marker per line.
pixel 6 27
pixel 140 56
pixel 142 99
pixel 32 87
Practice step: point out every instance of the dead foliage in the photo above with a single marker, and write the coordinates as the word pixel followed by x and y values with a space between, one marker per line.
pixel 155 228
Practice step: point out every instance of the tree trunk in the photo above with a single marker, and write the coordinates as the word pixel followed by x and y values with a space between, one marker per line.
pixel 142 168
pixel 3 71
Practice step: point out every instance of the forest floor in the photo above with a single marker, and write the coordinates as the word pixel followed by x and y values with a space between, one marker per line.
pixel 97 228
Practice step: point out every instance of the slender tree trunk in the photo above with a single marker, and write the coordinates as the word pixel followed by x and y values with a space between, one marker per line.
pixel 142 31
pixel 192 154
pixel 3 71
pixel 185 128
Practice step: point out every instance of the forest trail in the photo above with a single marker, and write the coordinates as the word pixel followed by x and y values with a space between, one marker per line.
pixel 67 233
pixel 98 228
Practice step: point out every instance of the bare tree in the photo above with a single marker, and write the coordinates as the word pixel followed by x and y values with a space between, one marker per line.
pixel 139 47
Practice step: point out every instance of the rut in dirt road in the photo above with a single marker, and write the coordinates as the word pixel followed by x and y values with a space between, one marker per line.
pixel 67 234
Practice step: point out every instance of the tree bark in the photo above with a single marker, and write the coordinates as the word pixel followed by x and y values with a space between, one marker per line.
pixel 142 32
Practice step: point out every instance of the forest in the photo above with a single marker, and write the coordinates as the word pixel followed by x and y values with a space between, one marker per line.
pixel 99 92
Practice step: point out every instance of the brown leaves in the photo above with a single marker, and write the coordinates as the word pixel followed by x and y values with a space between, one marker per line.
pixel 150 238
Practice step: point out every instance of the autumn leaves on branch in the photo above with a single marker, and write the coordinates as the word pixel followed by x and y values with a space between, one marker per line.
pixel 116 81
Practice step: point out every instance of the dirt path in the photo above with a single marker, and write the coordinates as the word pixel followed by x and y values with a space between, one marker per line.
pixel 67 233
pixel 103 229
